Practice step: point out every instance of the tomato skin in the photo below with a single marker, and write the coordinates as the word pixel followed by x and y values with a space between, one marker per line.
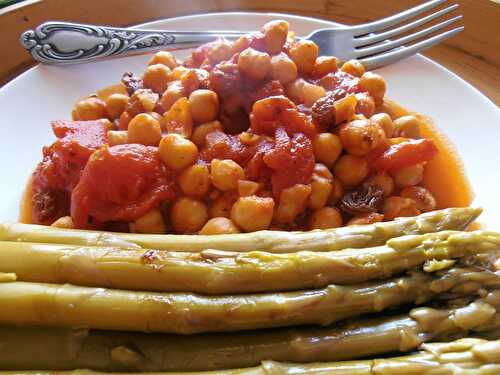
pixel 275 112
pixel 62 163
pixel 291 160
pixel 405 154
pixel 120 183
pixel 340 84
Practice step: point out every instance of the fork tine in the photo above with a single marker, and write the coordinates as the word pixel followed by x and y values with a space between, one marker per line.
pixel 385 23
pixel 366 40
pixel 398 54
pixel 401 41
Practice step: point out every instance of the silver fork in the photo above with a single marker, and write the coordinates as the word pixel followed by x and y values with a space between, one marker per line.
pixel 66 43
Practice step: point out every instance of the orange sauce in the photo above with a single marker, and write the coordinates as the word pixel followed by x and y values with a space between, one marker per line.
pixel 444 175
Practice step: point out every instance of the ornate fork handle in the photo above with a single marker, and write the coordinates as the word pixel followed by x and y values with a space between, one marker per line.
pixel 66 43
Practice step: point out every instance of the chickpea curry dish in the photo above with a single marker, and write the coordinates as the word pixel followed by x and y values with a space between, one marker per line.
pixel 246 135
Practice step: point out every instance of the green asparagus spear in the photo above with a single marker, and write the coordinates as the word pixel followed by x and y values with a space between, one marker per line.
pixel 271 241
pixel 472 356
pixel 57 349
pixel 221 272
pixel 187 313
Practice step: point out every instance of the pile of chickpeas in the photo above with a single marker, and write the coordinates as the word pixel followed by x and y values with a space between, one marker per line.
pixel 175 108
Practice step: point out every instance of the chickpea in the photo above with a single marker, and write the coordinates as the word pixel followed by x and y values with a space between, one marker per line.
pixel 424 199
pixel 242 43
pixel 156 77
pixel 353 67
pixel 178 118
pixel 337 192
pixel 65 222
pixel 374 84
pixel 358 116
pixel 147 98
pixel 247 188
pixel 252 213
pixel 151 222
pixel 190 81
pixel 304 54
pixel 295 90
pixel 359 137
pixel 365 219
pixel 201 131
pixel 174 92
pixel 115 105
pixel 156 116
pixel 117 137
pixel 321 189
pixel 385 122
pixel 165 58
pixel 312 93
pixel 408 176
pixel 275 33
pixel 89 109
pixel 407 127
pixel 254 64
pixel 179 71
pixel 350 170
pixel 324 65
pixel 188 215
pixel 195 180
pixel 345 108
pixel 219 225
pixel 177 152
pixel 365 104
pixel 293 201
pixel 399 206
pixel 327 148
pixel 384 181
pixel 322 171
pixel 144 129
pixel 283 68
pixel 221 50
pixel 204 105
pixel 221 206
pixel 225 174
pixel 249 139
pixel 325 218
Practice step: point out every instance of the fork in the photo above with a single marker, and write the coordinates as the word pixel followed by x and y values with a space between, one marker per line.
pixel 66 43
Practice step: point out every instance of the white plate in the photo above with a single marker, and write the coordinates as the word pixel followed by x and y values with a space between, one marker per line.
pixel 44 93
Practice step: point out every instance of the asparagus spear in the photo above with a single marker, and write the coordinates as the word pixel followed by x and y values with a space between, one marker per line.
pixel 473 356
pixel 63 349
pixel 476 356
pixel 220 272
pixel 270 241
pixel 188 313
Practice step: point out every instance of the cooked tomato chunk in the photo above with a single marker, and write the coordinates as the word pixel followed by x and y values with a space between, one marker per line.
pixel 291 159
pixel 120 183
pixel 278 111
pixel 405 154
pixel 61 166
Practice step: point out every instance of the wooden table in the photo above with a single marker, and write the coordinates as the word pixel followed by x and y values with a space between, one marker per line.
pixel 474 54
